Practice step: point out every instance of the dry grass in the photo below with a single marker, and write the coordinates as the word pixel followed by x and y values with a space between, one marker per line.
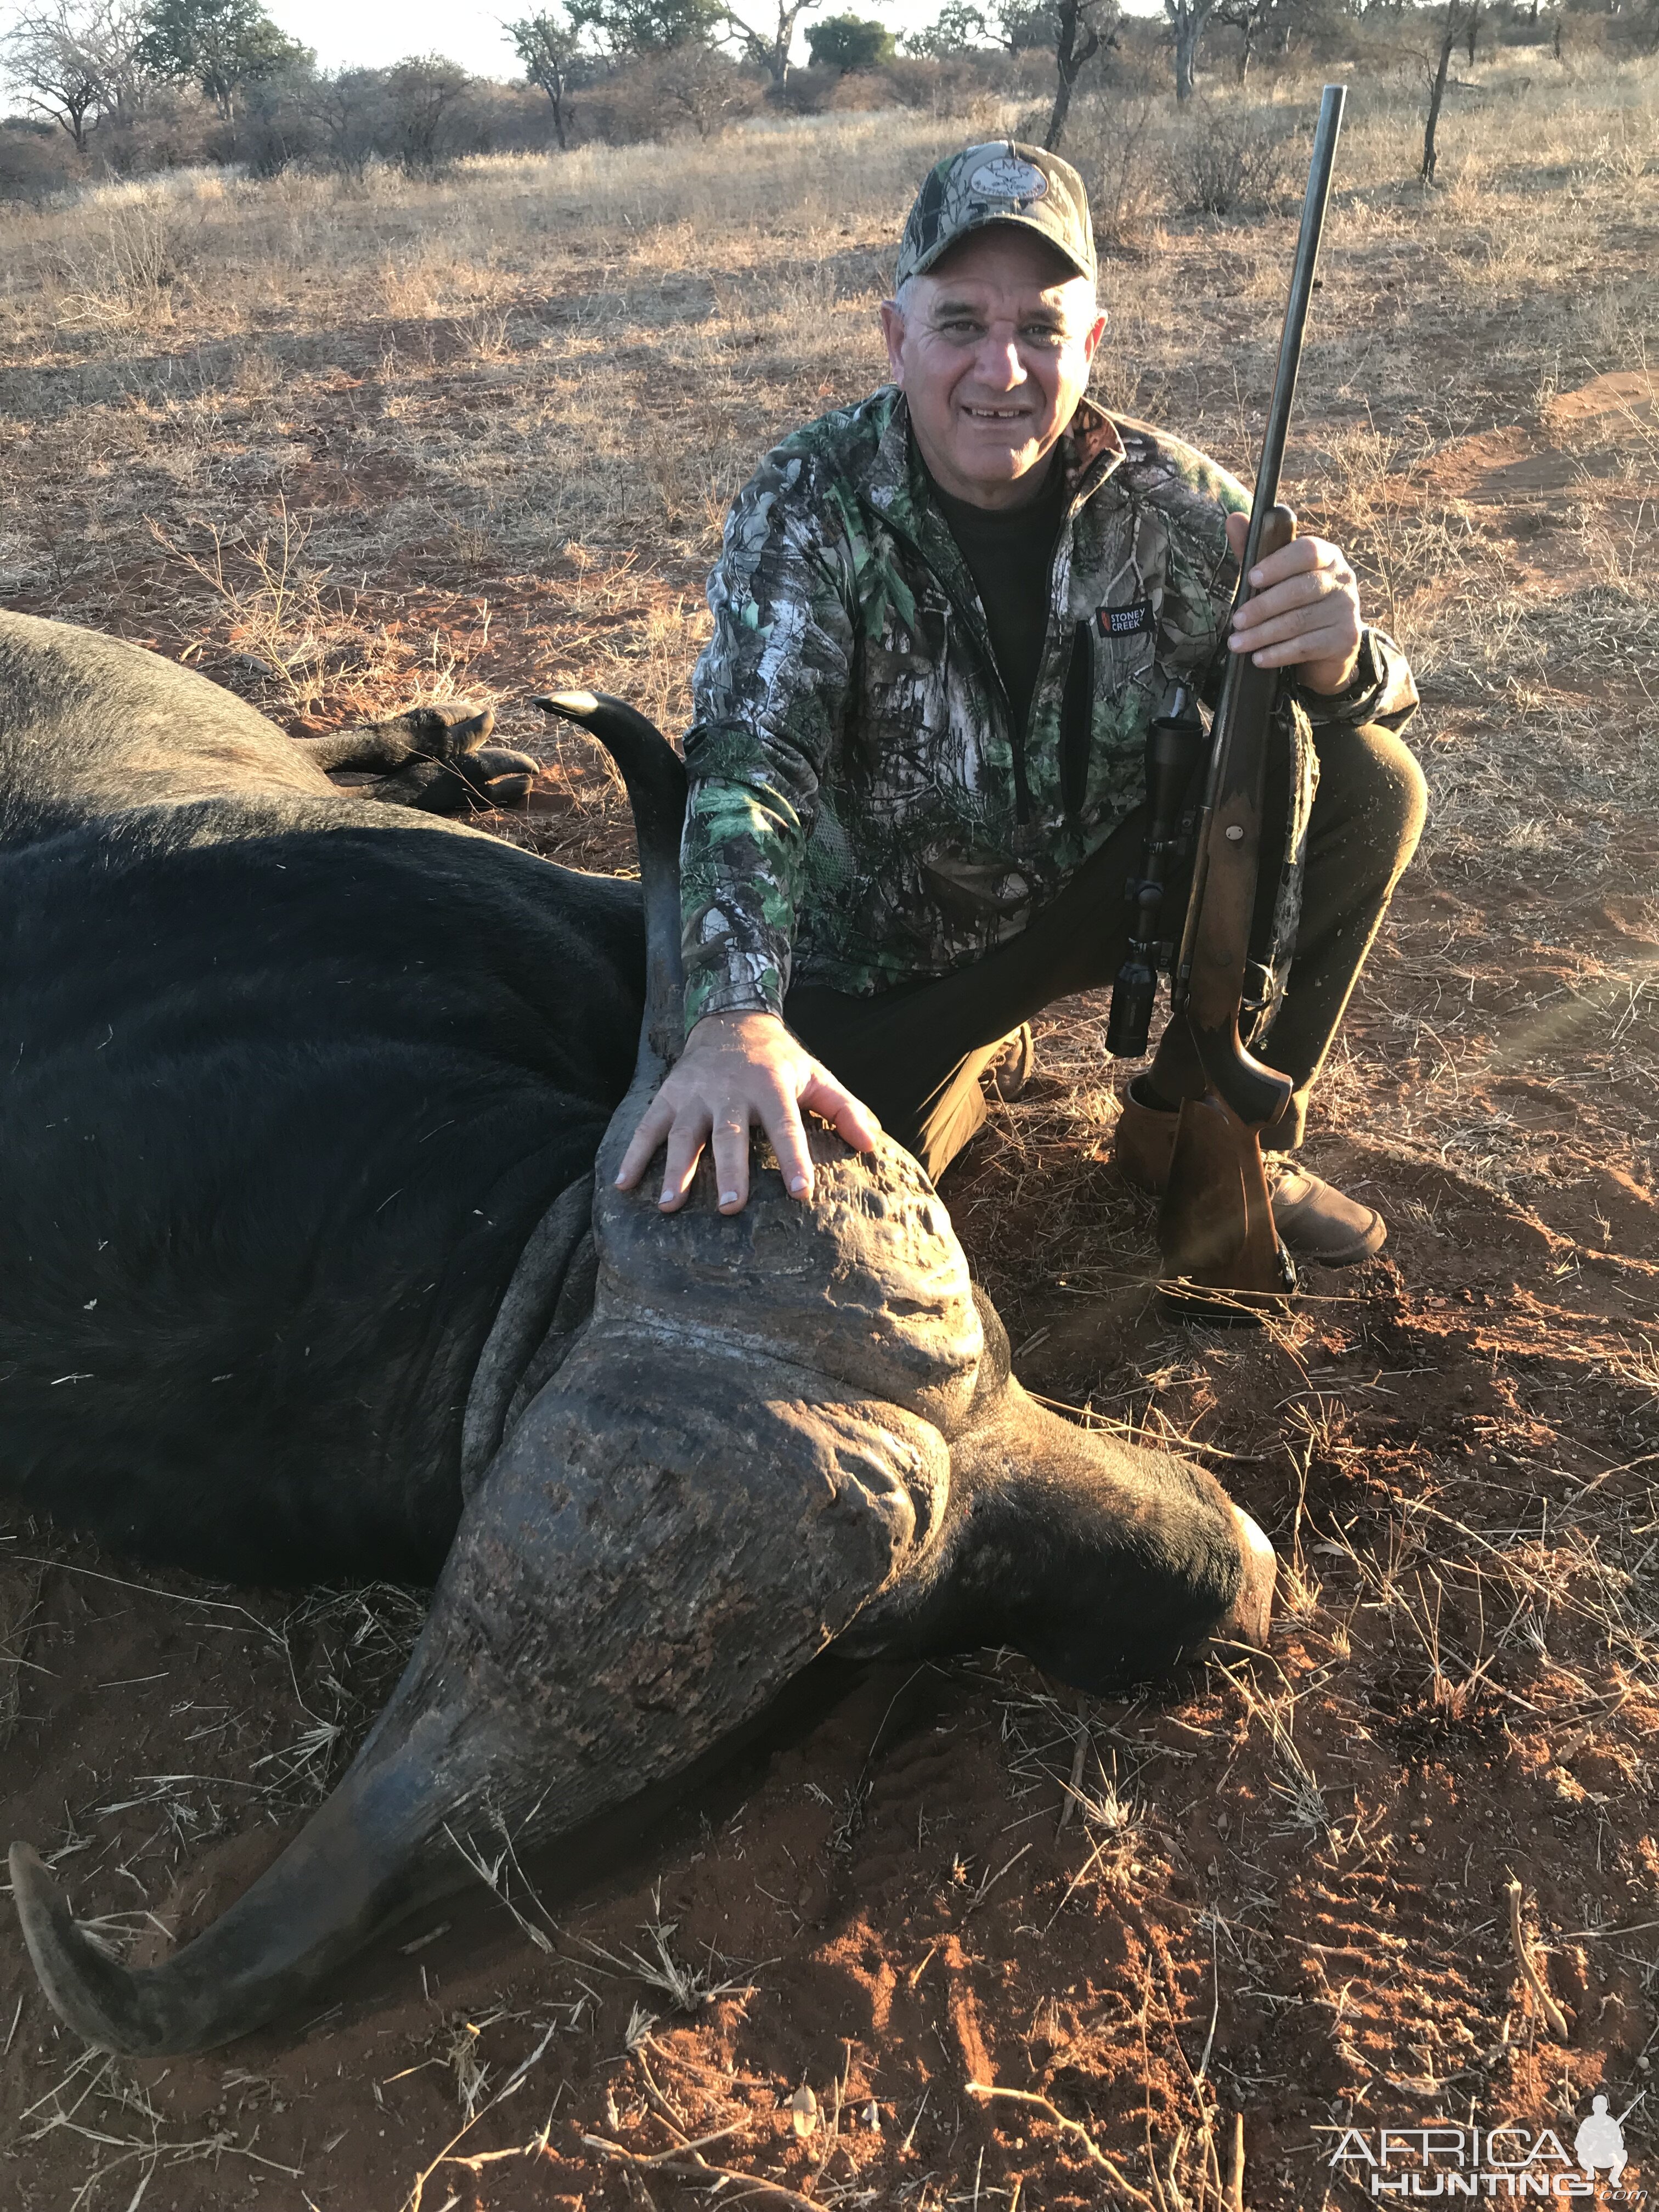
pixel 340 447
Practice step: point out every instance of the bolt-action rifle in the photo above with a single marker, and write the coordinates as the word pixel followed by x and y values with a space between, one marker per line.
pixel 1215 1231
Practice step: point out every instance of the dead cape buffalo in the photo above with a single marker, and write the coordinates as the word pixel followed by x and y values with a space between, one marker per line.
pixel 307 1273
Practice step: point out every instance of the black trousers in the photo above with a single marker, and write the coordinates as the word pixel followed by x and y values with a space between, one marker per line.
pixel 915 1053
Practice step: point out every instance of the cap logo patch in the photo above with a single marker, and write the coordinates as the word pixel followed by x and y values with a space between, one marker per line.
pixel 1008 178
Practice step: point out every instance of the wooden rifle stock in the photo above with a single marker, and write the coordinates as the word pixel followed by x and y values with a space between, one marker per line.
pixel 1220 1251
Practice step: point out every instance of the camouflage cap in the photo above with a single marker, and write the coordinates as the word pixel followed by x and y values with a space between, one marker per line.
pixel 1000 182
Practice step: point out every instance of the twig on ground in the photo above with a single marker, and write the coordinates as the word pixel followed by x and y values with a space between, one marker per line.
pixel 991 1879
pixel 1556 2019
pixel 1096 2156
pixel 514 2082
pixel 1069 1802
pixel 694 2169
pixel 1235 2167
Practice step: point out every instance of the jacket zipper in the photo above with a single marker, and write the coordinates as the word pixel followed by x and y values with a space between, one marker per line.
pixel 1077 702
pixel 971 615
pixel 1022 791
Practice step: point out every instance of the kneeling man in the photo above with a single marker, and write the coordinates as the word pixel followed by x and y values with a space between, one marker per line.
pixel 944 619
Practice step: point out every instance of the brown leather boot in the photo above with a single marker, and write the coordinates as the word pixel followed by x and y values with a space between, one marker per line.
pixel 1314 1219
pixel 1317 1221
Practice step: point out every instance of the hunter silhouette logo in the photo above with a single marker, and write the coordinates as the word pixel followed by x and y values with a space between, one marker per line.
pixel 1509 2163
pixel 1599 2143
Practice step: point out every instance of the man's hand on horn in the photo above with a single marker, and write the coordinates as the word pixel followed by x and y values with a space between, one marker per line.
pixel 736 1070
pixel 1304 613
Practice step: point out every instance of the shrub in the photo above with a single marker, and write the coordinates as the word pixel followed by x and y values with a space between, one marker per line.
pixel 36 159
pixel 689 87
pixel 425 109
pixel 850 42
pixel 114 274
pixel 942 88
pixel 1227 164
pixel 808 91
pixel 346 110
pixel 172 128
pixel 1113 151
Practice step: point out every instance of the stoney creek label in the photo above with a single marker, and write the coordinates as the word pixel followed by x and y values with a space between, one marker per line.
pixel 1127 622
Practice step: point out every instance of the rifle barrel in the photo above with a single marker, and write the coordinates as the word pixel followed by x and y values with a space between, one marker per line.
pixel 1240 675
pixel 1326 133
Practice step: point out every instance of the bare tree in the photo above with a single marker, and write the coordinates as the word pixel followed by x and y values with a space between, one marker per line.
pixel 1448 34
pixel 770 49
pixel 1249 18
pixel 548 45
pixel 222 46
pixel 1081 28
pixel 76 62
pixel 705 86
pixel 346 108
pixel 1188 21
pixel 423 95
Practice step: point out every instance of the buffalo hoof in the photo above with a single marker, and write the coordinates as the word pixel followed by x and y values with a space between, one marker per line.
pixel 432 757
pixel 1249 1619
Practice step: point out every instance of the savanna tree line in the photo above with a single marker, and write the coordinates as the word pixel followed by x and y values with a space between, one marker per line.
pixel 126 85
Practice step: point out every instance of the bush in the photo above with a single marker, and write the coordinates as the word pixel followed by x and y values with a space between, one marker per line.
pixel 705 90
pixel 172 129
pixel 114 274
pixel 688 88
pixel 942 88
pixel 275 129
pixel 426 113
pixel 346 112
pixel 36 159
pixel 1228 164
pixel 1113 149
pixel 850 42
pixel 805 91
pixel 817 91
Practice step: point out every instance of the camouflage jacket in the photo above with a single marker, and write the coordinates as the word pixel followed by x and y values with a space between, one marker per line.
pixel 862 811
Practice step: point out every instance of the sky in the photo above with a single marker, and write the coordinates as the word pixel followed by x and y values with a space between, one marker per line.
pixel 370 33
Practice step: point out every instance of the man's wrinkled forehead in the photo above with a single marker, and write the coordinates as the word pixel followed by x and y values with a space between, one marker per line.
pixel 1006 262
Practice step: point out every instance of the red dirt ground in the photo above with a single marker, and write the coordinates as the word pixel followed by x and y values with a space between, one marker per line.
pixel 1276 1891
